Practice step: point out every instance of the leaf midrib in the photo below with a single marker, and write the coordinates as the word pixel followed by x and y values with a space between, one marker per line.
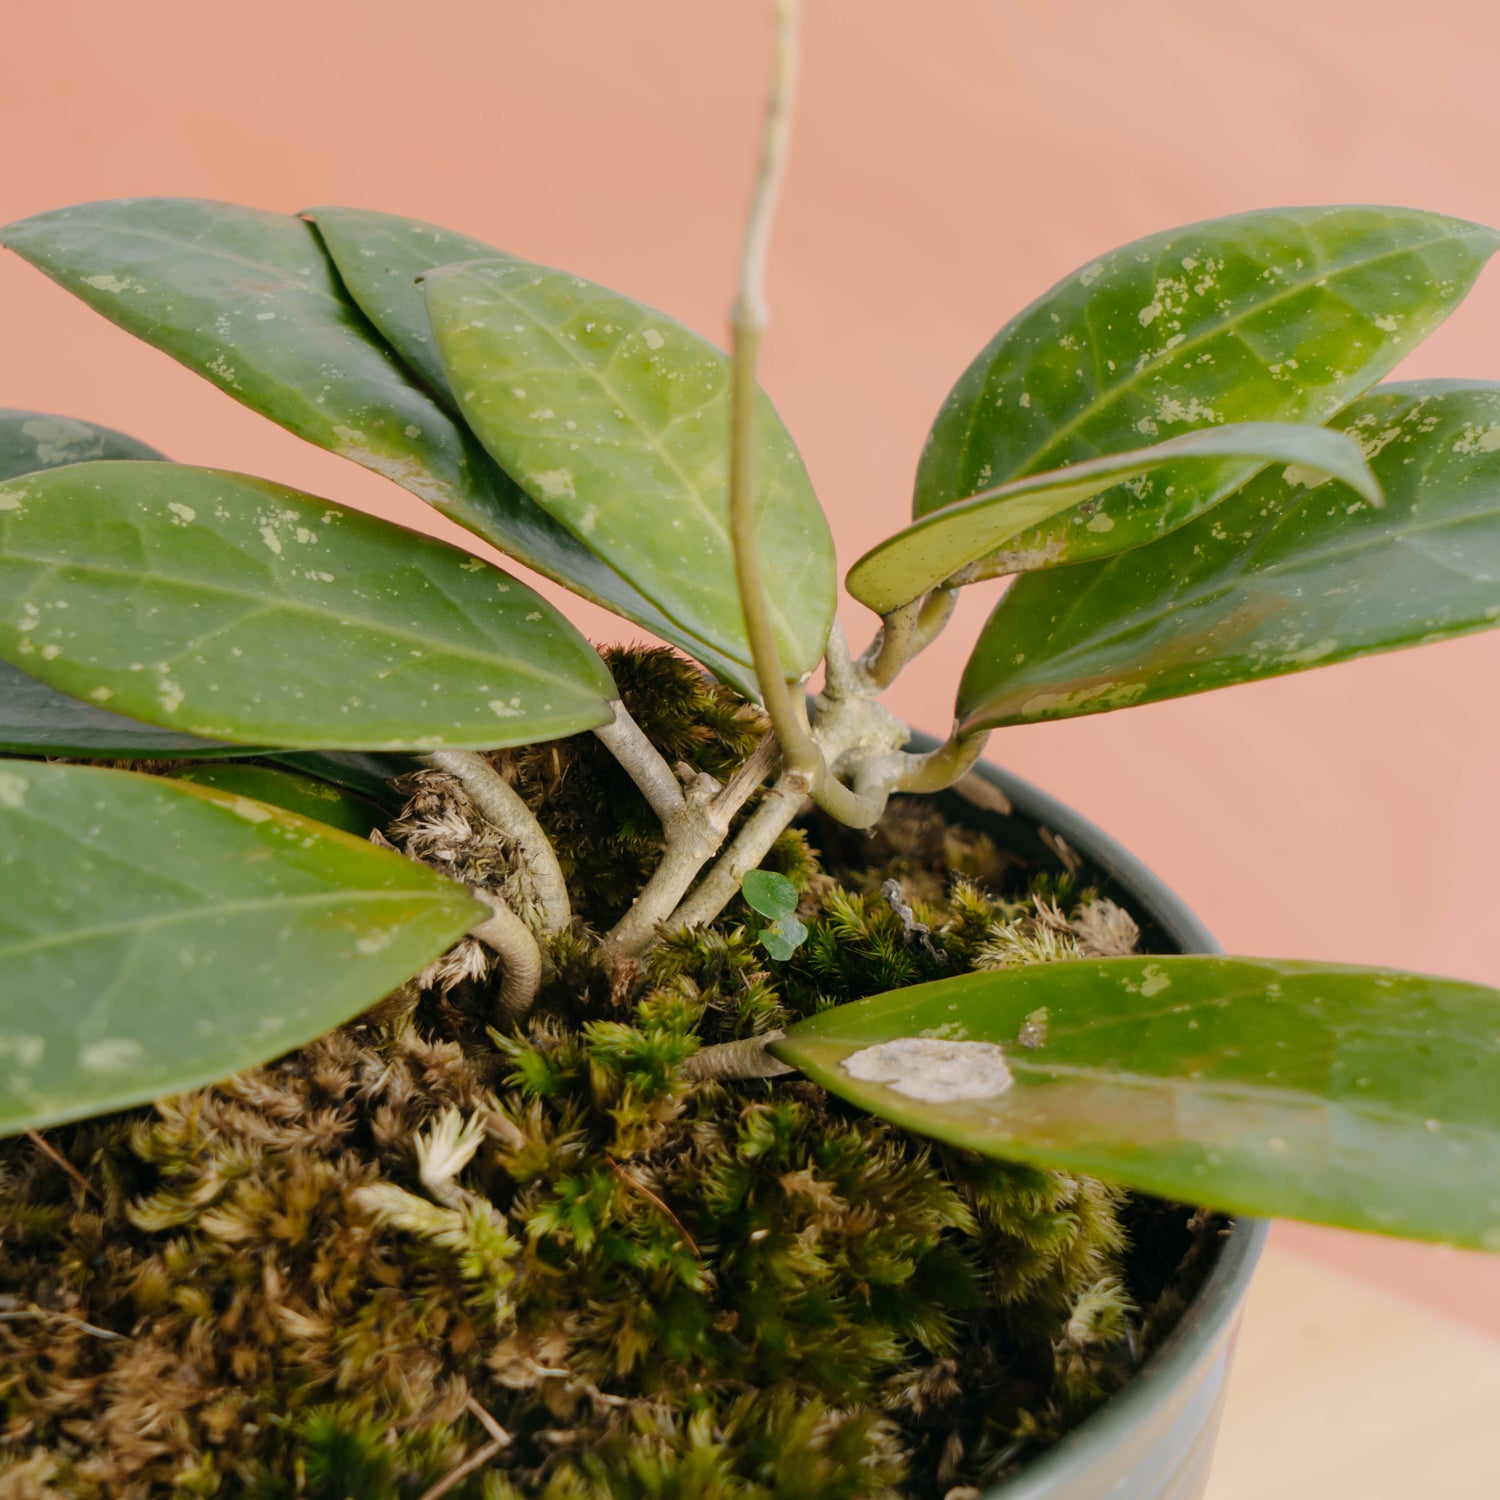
pixel 179 916
pixel 718 527
pixel 287 604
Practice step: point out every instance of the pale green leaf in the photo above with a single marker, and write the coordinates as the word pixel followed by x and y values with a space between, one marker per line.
pixel 959 538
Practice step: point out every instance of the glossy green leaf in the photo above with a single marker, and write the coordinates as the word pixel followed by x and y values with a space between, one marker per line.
pixel 249 300
pixel 307 796
pixel 1290 573
pixel 615 419
pixel 156 936
pixel 943 543
pixel 32 440
pixel 229 607
pixel 33 716
pixel 1282 315
pixel 381 259
pixel 36 719
pixel 1359 1097
pixel 770 894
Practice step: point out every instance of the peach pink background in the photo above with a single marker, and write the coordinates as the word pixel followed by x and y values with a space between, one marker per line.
pixel 951 161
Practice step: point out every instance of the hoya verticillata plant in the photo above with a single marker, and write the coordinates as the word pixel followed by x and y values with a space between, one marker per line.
pixel 1181 453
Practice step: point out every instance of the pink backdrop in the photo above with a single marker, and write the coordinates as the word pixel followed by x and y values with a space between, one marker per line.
pixel 951 161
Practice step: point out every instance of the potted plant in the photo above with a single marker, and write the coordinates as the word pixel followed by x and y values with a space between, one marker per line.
pixel 616 1132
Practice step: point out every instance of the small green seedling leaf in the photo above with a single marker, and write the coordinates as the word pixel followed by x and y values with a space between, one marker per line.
pixel 218 605
pixel 615 420
pixel 783 937
pixel 770 894
pixel 250 301
pixel 963 538
pixel 306 796
pixel 1291 573
pixel 156 936
pixel 1283 315
pixel 1358 1097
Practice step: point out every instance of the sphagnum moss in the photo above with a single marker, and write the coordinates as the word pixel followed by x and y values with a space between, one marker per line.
pixel 317 1279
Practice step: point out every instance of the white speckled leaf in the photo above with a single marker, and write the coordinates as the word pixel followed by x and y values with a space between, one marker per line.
pixel 156 936
pixel 1288 574
pixel 32 440
pixel 1360 1097
pixel 249 300
pixel 1281 315
pixel 229 607
pixel 615 419
pixel 943 542
pixel 33 716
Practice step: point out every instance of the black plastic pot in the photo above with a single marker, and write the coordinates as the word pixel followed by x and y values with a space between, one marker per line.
pixel 1154 1440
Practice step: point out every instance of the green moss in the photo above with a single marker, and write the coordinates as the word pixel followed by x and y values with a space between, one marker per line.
pixel 308 1281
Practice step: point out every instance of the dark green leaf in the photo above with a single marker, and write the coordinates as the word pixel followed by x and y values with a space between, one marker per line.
pixel 231 607
pixel 1281 315
pixel 1290 573
pixel 369 775
pixel 156 936
pixel 770 894
pixel 32 440
pixel 305 795
pixel 381 259
pixel 614 418
pixel 33 716
pixel 249 300
pixel 1359 1097
pixel 937 547
pixel 37 719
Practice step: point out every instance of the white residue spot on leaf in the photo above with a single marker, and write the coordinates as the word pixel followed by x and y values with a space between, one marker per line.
pixel 26 1050
pixel 1154 981
pixel 111 1054
pixel 555 484
pixel 269 537
pixel 13 789
pixel 653 339
pixel 106 283
pixel 934 1071
pixel 185 513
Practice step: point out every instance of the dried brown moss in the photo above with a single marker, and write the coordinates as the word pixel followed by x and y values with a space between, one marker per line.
pixel 310 1280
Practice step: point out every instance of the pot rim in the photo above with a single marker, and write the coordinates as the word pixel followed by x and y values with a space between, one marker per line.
pixel 1209 1319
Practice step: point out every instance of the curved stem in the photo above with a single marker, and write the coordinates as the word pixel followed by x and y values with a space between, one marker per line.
pixel 801 756
pixel 498 803
pixel 895 645
pixel 505 933
pixel 940 768
pixel 746 1058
